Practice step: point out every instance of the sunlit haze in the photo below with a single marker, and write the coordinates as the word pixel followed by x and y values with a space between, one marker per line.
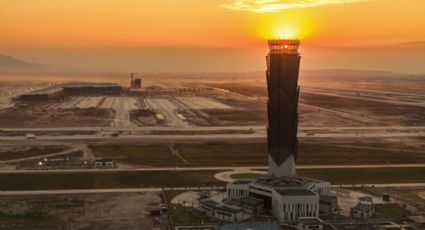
pixel 53 32
pixel 212 114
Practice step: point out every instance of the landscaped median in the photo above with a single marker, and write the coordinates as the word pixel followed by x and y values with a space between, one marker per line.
pixel 146 179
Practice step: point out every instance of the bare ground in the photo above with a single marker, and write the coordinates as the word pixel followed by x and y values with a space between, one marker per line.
pixel 94 211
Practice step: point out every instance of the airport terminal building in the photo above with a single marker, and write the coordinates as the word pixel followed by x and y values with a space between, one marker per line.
pixel 287 196
pixel 61 91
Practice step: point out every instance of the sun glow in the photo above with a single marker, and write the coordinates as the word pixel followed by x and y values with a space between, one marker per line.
pixel 286 33
pixel 284 26
pixel 283 32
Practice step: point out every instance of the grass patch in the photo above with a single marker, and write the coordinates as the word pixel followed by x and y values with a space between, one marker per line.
pixel 255 154
pixel 366 176
pixel 356 153
pixel 391 211
pixel 246 176
pixel 184 216
pixel 148 155
pixel 93 180
pixel 137 179
pixel 224 154
pixel 30 152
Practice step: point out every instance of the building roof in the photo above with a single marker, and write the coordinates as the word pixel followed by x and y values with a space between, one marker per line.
pixel 209 202
pixel 256 226
pixel 228 208
pixel 362 207
pixel 88 84
pixel 220 206
pixel 60 87
pixel 308 221
pixel 103 160
pixel 48 90
pixel 296 192
pixel 272 181
pixel 251 201
pixel 328 199
pixel 241 181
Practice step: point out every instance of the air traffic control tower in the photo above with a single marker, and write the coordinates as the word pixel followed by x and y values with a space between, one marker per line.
pixel 283 64
pixel 286 195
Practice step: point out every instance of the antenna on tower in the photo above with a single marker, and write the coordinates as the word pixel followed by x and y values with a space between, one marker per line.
pixel 135 82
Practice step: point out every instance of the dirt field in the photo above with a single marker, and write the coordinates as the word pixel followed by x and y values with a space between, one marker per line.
pixel 91 211
pixel 16 152
pixel 328 98
pixel 368 112
pixel 45 116
pixel 143 117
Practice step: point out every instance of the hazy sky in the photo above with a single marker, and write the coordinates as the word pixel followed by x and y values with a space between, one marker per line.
pixel 44 30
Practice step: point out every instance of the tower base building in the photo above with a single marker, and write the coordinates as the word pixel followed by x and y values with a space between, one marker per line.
pixel 286 195
pixel 287 198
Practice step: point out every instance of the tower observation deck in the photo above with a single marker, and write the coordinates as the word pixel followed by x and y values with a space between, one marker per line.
pixel 283 63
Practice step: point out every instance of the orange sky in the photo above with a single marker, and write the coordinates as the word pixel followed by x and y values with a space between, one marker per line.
pixel 199 35
pixel 207 23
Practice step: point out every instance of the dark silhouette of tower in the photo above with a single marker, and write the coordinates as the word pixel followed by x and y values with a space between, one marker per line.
pixel 283 63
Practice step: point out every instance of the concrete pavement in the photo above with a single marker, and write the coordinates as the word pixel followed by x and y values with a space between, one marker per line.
pixel 133 190
pixel 215 168
pixel 108 190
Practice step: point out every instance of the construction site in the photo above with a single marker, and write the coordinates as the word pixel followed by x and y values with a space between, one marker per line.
pixel 139 139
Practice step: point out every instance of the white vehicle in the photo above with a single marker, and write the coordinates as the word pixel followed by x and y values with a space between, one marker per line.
pixel 31 136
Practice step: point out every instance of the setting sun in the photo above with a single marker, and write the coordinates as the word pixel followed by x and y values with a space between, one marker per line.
pixel 284 26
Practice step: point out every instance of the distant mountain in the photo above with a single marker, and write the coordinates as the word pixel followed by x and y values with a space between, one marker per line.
pixel 12 63
pixel 415 43
pixel 352 73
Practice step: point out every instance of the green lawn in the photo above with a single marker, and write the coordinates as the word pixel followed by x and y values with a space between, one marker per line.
pixel 146 155
pixel 255 154
pixel 237 154
pixel 367 176
pixel 243 154
pixel 355 153
pixel 30 152
pixel 117 179
pixel 391 211
pixel 89 180
pixel 184 216
pixel 246 176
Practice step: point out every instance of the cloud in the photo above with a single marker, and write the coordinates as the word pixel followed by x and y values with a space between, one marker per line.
pixel 265 6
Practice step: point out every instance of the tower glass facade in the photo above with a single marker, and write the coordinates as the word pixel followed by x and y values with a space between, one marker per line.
pixel 283 62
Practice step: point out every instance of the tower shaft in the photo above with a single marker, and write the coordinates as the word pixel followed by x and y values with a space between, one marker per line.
pixel 283 64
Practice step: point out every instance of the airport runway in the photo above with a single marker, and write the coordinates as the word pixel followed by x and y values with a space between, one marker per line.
pixel 111 190
pixel 203 137
pixel 201 133
pixel 134 190
pixel 214 168
pixel 209 128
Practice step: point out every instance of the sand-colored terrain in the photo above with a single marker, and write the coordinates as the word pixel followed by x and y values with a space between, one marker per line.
pixel 91 211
